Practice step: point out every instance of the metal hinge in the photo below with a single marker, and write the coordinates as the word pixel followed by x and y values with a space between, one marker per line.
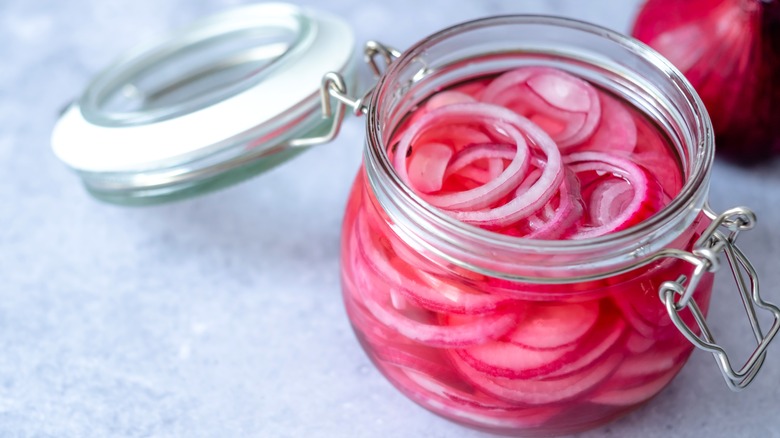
pixel 720 238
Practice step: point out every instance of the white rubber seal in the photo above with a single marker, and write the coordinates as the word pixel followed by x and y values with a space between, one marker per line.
pixel 94 147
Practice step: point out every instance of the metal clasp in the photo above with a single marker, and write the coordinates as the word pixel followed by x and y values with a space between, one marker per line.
pixel 334 87
pixel 374 48
pixel 720 238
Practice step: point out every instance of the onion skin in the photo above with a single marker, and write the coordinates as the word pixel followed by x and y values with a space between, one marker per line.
pixel 730 51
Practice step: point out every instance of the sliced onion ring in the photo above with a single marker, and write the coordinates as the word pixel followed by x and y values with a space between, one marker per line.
pixel 636 210
pixel 503 121
pixel 551 98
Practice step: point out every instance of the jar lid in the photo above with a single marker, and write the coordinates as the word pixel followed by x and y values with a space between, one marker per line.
pixel 204 107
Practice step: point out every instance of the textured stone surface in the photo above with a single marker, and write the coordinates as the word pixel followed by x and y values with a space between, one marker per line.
pixel 221 316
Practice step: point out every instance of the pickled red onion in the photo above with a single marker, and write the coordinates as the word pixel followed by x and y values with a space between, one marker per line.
pixel 539 391
pixel 504 122
pixel 445 98
pixel 474 332
pixel 469 206
pixel 502 172
pixel 428 166
pixel 643 203
pixel 426 290
pixel 616 132
pixel 536 196
pixel 469 155
pixel 567 107
pixel 568 211
pixel 554 326
pixel 440 99
pixel 381 304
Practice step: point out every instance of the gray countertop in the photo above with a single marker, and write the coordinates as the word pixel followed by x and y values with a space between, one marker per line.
pixel 221 315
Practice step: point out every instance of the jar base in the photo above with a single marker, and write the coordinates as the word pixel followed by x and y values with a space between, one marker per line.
pixel 532 424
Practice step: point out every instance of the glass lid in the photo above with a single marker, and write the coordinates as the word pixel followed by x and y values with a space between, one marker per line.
pixel 206 106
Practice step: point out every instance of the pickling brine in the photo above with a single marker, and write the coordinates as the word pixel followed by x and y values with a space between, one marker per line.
pixel 533 153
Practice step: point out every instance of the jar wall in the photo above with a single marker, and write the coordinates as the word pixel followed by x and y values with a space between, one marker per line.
pixel 502 356
pixel 522 336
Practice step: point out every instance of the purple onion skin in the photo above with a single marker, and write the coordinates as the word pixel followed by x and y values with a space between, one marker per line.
pixel 738 73
pixel 770 28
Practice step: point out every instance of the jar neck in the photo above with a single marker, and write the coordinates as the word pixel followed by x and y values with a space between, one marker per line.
pixel 609 60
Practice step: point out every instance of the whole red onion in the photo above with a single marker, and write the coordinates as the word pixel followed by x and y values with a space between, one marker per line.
pixel 730 51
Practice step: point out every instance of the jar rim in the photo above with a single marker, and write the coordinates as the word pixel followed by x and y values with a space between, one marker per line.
pixel 696 181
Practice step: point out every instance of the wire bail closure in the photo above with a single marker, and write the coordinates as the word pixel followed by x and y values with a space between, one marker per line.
pixel 334 87
pixel 719 238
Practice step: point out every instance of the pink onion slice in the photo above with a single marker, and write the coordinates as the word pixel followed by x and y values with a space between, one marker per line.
pixel 608 199
pixel 509 359
pixel 530 179
pixel 562 90
pixel 521 194
pixel 439 296
pixel 665 169
pixel 444 98
pixel 627 396
pixel 457 136
pixel 640 378
pixel 644 202
pixel 386 307
pixel 390 347
pixel 636 343
pixel 442 296
pixel 567 107
pixel 474 88
pixel 554 325
pixel 466 206
pixel 427 291
pixel 423 359
pixel 474 332
pixel 649 364
pixel 468 406
pixel 640 326
pixel 602 341
pixel 539 391
pixel 470 154
pixel 438 100
pixel 569 210
pixel 616 133
pixel 504 359
pixel 536 196
pixel 428 166
pixel 492 116
pixel 477 175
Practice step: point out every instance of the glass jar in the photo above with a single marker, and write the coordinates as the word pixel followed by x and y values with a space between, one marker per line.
pixel 521 336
